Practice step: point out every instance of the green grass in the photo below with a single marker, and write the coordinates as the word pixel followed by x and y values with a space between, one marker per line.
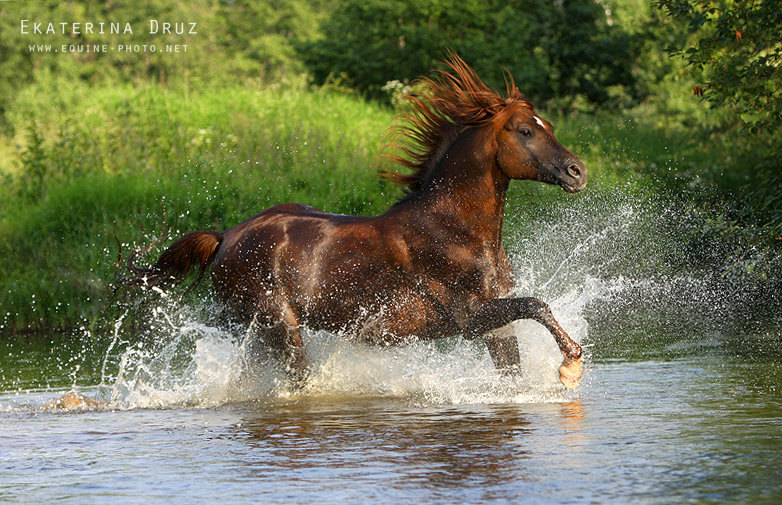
pixel 95 163
pixel 112 161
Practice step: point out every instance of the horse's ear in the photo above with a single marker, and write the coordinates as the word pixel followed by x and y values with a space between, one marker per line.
pixel 510 83
pixel 514 95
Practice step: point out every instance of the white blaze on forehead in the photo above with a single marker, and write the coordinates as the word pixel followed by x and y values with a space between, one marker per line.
pixel 539 121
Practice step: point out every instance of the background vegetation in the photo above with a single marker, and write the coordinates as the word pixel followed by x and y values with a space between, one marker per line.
pixel 289 101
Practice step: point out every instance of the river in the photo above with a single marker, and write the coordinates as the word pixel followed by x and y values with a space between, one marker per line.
pixel 681 400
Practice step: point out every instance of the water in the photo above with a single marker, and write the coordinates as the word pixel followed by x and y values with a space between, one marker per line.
pixel 680 402
pixel 684 431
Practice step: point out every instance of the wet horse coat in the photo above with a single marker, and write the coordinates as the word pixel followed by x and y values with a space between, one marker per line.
pixel 432 266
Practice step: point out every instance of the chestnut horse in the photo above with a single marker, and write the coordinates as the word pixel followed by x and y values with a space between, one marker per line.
pixel 432 266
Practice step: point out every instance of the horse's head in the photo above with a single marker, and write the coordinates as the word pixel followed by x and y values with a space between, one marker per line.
pixel 527 149
pixel 511 134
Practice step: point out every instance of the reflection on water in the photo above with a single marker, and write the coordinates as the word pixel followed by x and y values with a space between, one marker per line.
pixel 573 415
pixel 434 447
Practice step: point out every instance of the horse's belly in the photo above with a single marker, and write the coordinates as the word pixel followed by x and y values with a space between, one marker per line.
pixel 385 317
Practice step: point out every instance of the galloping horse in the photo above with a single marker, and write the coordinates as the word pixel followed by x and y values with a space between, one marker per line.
pixel 432 266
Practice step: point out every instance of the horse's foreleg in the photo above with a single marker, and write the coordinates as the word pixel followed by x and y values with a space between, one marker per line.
pixel 503 349
pixel 501 311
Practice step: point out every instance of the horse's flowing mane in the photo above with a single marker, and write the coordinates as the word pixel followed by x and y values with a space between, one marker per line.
pixel 443 108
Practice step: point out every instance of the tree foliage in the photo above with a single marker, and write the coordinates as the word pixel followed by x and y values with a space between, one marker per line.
pixel 734 51
pixel 234 40
pixel 562 50
pixel 737 48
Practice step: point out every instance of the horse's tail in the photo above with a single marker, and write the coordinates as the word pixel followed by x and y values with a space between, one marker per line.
pixel 196 249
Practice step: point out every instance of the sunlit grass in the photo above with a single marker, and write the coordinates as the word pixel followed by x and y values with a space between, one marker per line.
pixel 97 165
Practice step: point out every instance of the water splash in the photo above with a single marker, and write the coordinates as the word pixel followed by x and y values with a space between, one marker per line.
pixel 184 362
pixel 623 274
pixel 196 364
pixel 651 273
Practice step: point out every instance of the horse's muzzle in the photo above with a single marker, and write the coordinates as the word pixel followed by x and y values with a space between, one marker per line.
pixel 574 176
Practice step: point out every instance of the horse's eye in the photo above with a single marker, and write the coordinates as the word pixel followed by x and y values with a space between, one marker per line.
pixel 526 132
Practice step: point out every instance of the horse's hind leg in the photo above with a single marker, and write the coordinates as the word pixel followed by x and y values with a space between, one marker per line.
pixel 287 342
pixel 284 338
pixel 504 349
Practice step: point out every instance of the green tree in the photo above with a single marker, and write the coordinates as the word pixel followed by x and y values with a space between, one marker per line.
pixel 555 50
pixel 736 48
pixel 734 51
pixel 260 36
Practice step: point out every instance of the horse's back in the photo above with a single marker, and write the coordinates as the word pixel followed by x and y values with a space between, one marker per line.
pixel 274 226
pixel 297 255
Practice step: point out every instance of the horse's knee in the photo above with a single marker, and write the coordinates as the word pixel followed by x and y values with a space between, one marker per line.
pixel 533 308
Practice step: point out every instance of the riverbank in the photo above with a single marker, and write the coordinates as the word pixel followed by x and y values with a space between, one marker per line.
pixel 89 168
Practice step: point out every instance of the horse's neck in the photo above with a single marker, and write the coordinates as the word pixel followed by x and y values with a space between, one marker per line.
pixel 467 188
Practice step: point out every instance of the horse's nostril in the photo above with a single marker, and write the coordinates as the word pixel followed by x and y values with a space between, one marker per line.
pixel 574 171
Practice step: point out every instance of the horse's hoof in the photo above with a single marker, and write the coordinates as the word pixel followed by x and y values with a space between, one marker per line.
pixel 570 373
pixel 73 400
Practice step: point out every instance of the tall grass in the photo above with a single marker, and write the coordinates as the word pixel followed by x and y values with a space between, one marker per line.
pixel 96 164
pixel 100 164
